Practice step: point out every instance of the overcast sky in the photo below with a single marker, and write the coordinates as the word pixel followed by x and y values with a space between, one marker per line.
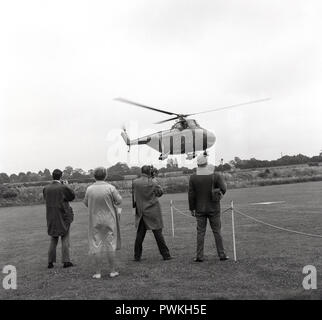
pixel 63 62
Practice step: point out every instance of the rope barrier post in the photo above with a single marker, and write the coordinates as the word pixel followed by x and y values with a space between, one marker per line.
pixel 233 227
pixel 172 219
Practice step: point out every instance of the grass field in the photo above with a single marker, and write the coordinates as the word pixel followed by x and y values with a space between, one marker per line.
pixel 269 266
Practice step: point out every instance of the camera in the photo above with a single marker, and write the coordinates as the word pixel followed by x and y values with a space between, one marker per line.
pixel 153 172
pixel 149 171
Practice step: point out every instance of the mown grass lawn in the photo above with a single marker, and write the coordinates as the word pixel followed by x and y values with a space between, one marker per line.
pixel 269 266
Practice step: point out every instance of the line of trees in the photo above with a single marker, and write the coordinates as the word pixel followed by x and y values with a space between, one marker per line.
pixel 120 170
pixel 116 172
pixel 283 161
pixel 22 177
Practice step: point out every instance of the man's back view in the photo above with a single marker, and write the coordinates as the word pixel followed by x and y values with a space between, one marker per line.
pixel 203 207
pixel 59 216
pixel 148 212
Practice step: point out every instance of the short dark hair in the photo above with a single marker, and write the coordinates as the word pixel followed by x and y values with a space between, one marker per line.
pixel 57 174
pixel 100 173
pixel 146 170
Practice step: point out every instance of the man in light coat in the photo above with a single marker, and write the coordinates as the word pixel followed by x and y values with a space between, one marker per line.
pixel 148 215
pixel 104 237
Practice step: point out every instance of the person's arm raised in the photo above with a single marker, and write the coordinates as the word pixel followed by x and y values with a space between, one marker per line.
pixel 158 191
pixel 69 194
pixel 85 201
pixel 117 198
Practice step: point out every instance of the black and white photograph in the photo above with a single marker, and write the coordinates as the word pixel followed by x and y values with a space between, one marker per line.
pixel 165 151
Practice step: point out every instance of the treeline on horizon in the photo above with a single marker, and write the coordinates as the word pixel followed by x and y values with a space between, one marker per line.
pixel 120 170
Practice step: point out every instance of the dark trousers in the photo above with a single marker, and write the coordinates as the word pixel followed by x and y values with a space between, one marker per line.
pixel 215 224
pixel 140 235
pixel 64 248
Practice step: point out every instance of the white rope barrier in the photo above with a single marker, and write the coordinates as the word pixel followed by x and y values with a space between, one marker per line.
pixel 182 213
pixel 277 227
pixel 257 220
pixel 172 208
pixel 233 210
pixel 226 210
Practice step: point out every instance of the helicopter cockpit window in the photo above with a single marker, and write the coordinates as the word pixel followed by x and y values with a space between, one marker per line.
pixel 179 126
pixel 192 124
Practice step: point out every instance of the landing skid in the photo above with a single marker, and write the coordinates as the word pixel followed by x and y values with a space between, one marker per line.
pixel 191 156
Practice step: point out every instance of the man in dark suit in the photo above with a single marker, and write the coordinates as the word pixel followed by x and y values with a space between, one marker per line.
pixel 203 207
pixel 148 216
pixel 59 216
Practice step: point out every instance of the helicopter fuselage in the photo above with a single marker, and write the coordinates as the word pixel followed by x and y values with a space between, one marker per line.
pixel 175 141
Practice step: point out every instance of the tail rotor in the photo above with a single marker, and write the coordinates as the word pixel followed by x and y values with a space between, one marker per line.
pixel 126 137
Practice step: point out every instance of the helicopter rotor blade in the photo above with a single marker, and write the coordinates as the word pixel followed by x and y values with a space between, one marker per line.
pixel 229 107
pixel 146 107
pixel 167 120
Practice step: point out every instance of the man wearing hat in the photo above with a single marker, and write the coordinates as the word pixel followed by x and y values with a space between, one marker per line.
pixel 148 215
pixel 205 206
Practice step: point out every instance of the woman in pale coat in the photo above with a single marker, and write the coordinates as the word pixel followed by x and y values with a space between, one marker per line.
pixel 102 200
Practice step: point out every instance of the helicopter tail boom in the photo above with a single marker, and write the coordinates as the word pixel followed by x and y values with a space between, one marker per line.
pixel 126 138
pixel 130 142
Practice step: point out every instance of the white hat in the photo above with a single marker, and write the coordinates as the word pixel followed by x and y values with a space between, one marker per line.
pixel 202 160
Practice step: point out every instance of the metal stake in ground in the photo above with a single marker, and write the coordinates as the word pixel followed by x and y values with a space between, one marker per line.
pixel 233 227
pixel 172 220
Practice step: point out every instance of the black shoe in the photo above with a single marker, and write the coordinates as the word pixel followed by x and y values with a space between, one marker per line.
pixel 50 265
pixel 167 258
pixel 224 258
pixel 137 259
pixel 68 265
pixel 198 260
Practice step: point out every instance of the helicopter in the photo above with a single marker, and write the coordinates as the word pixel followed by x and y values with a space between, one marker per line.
pixel 186 136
